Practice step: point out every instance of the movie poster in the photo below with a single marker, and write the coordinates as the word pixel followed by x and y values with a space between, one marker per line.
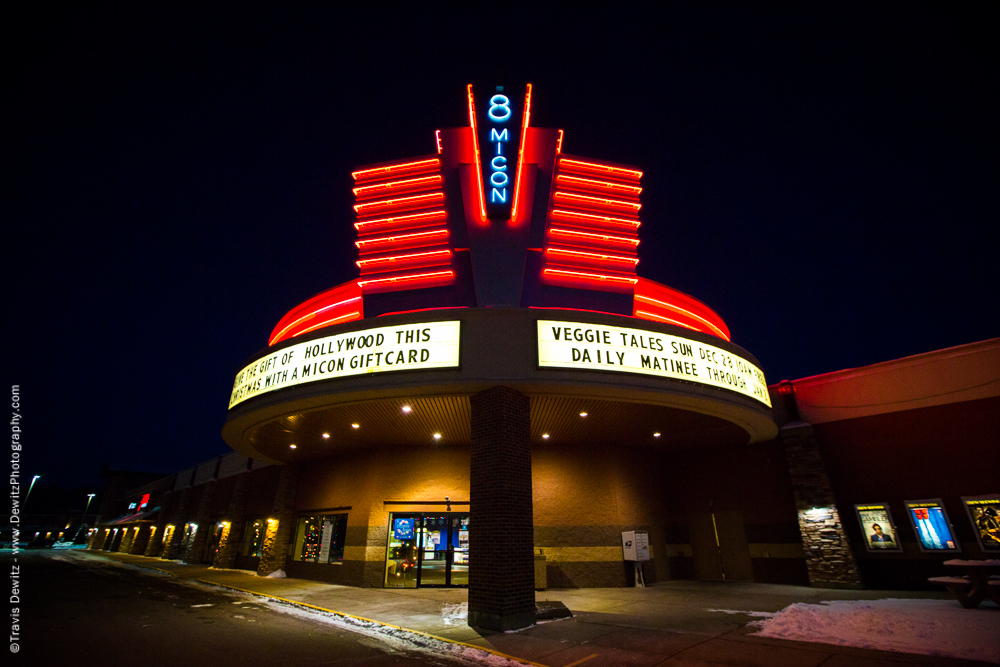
pixel 931 524
pixel 984 512
pixel 878 528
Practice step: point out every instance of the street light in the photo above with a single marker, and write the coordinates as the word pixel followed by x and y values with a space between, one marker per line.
pixel 24 505
pixel 83 521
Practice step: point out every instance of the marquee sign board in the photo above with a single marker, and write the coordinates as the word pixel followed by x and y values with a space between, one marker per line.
pixel 626 350
pixel 398 348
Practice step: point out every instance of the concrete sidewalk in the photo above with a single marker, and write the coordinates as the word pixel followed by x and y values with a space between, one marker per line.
pixel 667 624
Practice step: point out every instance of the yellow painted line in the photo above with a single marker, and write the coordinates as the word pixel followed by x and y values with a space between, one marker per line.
pixel 370 620
pixel 581 661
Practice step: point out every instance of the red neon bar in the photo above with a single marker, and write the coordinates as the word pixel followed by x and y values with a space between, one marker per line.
pixel 411 220
pixel 343 318
pixel 670 306
pixel 597 201
pixel 520 152
pixel 308 316
pixel 429 256
pixel 436 276
pixel 559 143
pixel 415 200
pixel 593 256
pixel 601 168
pixel 385 240
pixel 368 190
pixel 479 163
pixel 368 174
pixel 660 318
pixel 600 277
pixel 587 182
pixel 437 135
pixel 596 237
pixel 590 218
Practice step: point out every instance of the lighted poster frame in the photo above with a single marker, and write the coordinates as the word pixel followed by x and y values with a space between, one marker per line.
pixel 931 504
pixel 974 507
pixel 872 514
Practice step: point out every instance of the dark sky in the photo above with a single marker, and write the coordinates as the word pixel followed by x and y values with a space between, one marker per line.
pixel 823 177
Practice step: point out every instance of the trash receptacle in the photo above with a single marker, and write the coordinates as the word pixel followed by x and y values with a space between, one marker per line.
pixel 541 577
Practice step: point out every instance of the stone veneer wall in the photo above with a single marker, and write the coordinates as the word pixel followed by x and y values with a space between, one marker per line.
pixel 279 532
pixel 829 558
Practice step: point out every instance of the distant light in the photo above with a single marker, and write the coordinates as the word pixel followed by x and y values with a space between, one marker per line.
pixel 656 435
pixel 355 425
pixel 583 414
pixel 406 408
pixel 437 436
pixel 545 436
pixel 292 447
pixel 326 435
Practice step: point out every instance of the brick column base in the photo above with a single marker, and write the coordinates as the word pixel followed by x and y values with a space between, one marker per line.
pixel 829 558
pixel 205 529
pixel 279 526
pixel 501 531
pixel 229 546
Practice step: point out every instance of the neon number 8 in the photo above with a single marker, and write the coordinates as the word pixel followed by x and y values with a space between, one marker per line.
pixel 499 108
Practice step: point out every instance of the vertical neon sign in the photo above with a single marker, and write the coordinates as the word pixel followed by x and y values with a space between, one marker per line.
pixel 499 143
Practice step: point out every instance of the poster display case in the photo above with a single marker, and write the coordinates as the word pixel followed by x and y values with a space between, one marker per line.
pixel 984 513
pixel 878 528
pixel 931 524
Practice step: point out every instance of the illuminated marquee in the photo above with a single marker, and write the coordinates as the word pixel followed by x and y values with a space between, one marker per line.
pixel 625 350
pixel 398 348
pixel 500 161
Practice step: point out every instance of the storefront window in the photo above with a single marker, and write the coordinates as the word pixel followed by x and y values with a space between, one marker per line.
pixel 253 538
pixel 320 539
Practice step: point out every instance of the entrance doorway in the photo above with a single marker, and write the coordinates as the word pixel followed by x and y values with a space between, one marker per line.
pixel 427 550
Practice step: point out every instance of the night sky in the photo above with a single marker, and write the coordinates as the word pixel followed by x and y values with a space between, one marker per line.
pixel 824 178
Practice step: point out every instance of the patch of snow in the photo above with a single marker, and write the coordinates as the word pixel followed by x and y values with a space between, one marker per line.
pixel 940 628
pixel 455 614
pixel 277 574
pixel 758 614
pixel 203 605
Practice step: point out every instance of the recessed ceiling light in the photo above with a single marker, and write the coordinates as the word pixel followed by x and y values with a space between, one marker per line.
pixel 291 446
pixel 545 436
pixel 437 436
pixel 583 414
pixel 355 426
pixel 656 435
pixel 406 408
pixel 326 435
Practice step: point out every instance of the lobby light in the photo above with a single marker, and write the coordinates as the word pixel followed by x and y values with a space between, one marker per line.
pixel 583 414
pixel 326 435
pixel 545 436
pixel 406 409
pixel 656 435
pixel 355 425
pixel 292 447
pixel 437 436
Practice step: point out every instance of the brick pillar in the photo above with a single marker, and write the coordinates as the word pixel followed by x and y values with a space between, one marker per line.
pixel 829 557
pixel 501 553
pixel 173 545
pixel 229 545
pixel 154 545
pixel 201 517
pixel 141 540
pixel 279 524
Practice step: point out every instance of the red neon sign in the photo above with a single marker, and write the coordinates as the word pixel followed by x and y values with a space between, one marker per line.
pixel 479 163
pixel 592 256
pixel 407 184
pixel 584 200
pixel 597 277
pixel 436 277
pixel 392 169
pixel 309 316
pixel 430 257
pixel 594 237
pixel 603 185
pixel 590 218
pixel 402 221
pixel 437 234
pixel 600 168
pixel 520 152
pixel 401 202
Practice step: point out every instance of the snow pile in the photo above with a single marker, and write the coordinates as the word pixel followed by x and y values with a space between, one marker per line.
pixel 930 627
pixel 455 614
pixel 277 574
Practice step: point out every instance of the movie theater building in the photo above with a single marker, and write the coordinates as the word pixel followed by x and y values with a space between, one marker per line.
pixel 500 389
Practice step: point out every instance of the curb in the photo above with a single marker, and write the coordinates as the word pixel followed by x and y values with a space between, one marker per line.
pixel 370 620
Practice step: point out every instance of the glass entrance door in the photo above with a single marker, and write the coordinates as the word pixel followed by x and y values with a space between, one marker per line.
pixel 427 550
